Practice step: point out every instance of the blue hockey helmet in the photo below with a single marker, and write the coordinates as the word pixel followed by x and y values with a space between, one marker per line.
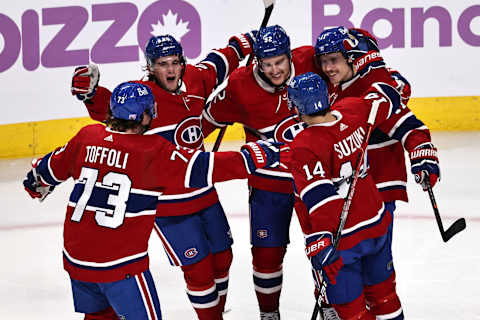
pixel 308 93
pixel 130 100
pixel 271 41
pixel 162 46
pixel 335 40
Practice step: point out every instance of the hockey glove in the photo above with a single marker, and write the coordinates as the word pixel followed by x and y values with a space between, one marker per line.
pixel 263 154
pixel 34 186
pixel 424 164
pixel 323 256
pixel 243 44
pixel 85 81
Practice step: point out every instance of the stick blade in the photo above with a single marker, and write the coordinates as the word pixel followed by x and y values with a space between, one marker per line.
pixel 458 226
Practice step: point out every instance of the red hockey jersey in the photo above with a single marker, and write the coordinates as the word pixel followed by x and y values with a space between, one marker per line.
pixel 386 146
pixel 119 178
pixel 178 121
pixel 323 159
pixel 249 100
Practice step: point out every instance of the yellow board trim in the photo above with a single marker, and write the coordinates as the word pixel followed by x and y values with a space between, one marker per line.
pixel 31 139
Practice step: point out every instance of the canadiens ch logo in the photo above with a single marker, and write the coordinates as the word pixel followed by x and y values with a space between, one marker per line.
pixel 191 253
pixel 262 233
pixel 189 133
pixel 288 128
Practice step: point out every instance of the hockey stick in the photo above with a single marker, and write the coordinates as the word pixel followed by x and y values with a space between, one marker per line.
pixel 348 201
pixel 458 226
pixel 268 12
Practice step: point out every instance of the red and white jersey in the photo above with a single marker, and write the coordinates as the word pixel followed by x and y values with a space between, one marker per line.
pixel 250 100
pixel 178 121
pixel 119 178
pixel 323 159
pixel 387 143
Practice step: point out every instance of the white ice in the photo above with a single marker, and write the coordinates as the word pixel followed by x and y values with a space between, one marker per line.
pixel 435 280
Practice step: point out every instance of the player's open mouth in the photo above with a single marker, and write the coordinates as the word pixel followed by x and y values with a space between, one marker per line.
pixel 277 76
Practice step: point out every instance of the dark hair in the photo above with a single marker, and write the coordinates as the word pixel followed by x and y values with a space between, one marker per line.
pixel 120 125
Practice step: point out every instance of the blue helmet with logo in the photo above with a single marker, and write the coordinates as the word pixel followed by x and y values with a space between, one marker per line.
pixel 162 46
pixel 130 100
pixel 271 41
pixel 309 93
pixel 334 40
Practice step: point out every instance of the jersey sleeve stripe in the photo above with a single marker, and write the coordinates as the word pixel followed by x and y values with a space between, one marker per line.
pixel 325 201
pixel 313 185
pixel 318 195
pixel 45 171
pixel 199 171
pixel 189 169
pixel 161 129
pixel 211 163
pixel 221 63
pixel 406 123
pixel 246 163
pixel 236 48
pixel 208 116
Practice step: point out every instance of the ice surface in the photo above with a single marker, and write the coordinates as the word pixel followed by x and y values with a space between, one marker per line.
pixel 435 280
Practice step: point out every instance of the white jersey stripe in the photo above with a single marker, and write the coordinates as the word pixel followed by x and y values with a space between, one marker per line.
pixel 365 222
pixel 104 264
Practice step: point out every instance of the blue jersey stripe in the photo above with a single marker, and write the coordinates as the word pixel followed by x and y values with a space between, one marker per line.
pixel 318 194
pixel 221 67
pixel 409 124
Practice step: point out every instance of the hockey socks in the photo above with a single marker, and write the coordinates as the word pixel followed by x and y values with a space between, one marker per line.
pixel 268 276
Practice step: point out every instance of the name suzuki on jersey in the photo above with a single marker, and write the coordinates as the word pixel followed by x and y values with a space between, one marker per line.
pixel 114 158
pixel 350 144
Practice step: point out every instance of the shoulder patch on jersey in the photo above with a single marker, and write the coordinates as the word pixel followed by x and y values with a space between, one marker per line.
pixel 287 129
pixel 109 138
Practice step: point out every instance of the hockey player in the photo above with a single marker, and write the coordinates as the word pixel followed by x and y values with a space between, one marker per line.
pixel 323 155
pixel 119 175
pixel 351 61
pixel 181 91
pixel 256 96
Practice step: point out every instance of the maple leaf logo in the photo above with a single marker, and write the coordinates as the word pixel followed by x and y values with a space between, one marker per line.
pixel 170 26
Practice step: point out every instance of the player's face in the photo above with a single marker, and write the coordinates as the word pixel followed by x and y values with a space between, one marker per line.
pixel 335 67
pixel 167 71
pixel 276 69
